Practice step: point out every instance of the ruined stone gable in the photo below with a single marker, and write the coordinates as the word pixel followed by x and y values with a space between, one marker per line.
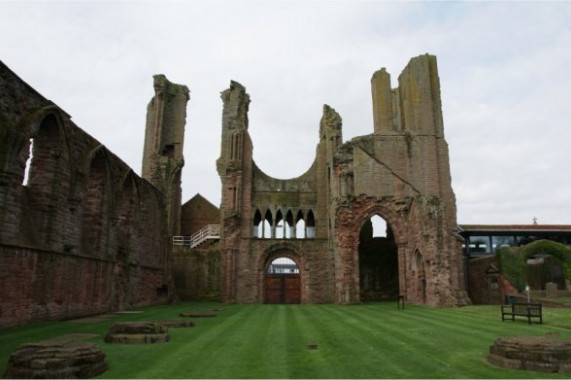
pixel 400 172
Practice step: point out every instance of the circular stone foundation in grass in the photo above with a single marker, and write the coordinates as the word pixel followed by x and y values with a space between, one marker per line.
pixel 532 353
pixel 137 332
pixel 56 360
pixel 197 315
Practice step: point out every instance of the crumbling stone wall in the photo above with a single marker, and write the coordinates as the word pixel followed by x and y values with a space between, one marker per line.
pixel 197 272
pixel 250 197
pixel 84 235
pixel 164 141
pixel 400 172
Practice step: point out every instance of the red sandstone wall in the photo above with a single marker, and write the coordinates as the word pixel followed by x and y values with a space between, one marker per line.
pixel 197 273
pixel 85 235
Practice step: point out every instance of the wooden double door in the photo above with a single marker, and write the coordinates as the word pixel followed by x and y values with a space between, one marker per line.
pixel 282 288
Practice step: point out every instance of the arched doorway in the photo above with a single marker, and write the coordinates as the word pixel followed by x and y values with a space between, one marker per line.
pixel 282 281
pixel 378 261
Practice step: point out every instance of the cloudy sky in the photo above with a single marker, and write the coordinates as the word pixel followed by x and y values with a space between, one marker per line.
pixel 505 72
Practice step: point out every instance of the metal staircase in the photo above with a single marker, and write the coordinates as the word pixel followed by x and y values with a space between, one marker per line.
pixel 208 232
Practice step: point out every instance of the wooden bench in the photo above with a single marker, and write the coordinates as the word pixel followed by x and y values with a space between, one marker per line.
pixel 528 310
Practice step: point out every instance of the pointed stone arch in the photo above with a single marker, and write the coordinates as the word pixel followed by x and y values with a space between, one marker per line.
pixel 96 203
pixel 349 222
pixel 257 224
pixel 310 224
pixel 378 264
pixel 127 214
pixel 280 230
pixel 44 172
pixel 268 223
pixel 290 233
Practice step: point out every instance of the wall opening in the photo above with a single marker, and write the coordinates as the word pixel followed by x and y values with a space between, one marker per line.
pixel 26 178
pixel 290 231
pixel 310 224
pixel 257 227
pixel 168 151
pixel 299 226
pixel 268 222
pixel 379 226
pixel 280 226
pixel 378 264
pixel 282 281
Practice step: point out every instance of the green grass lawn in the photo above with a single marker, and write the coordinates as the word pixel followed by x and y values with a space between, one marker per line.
pixel 271 341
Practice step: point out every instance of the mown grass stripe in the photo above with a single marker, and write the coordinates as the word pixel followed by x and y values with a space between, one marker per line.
pixel 270 341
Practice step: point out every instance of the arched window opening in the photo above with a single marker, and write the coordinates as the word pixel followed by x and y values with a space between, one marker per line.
pixel 283 265
pixel 268 222
pixel 280 226
pixel 378 264
pixel 257 228
pixel 290 231
pixel 379 226
pixel 42 174
pixel 299 226
pixel 26 178
pixel 43 158
pixel 300 229
pixel 310 225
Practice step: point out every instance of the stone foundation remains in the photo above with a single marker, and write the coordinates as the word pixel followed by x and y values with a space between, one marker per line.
pixel 532 353
pixel 137 332
pixel 56 360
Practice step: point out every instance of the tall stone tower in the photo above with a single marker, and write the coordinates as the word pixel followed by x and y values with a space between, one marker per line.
pixel 235 170
pixel 164 137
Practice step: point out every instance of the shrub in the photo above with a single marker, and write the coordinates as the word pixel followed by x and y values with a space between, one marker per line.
pixel 513 266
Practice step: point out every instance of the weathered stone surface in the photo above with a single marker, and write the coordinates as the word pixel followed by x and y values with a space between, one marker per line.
pixel 84 235
pixel 56 360
pixel 532 353
pixel 137 332
pixel 400 172
pixel 164 141
pixel 197 272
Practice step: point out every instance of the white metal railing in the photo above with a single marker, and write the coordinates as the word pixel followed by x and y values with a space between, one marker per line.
pixel 210 231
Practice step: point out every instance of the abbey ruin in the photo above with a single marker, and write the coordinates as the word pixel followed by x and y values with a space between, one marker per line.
pixel 82 234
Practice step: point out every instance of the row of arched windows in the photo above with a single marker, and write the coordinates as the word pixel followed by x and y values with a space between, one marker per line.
pixel 284 226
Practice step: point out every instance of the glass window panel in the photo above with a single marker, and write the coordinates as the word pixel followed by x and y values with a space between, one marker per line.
pixel 502 241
